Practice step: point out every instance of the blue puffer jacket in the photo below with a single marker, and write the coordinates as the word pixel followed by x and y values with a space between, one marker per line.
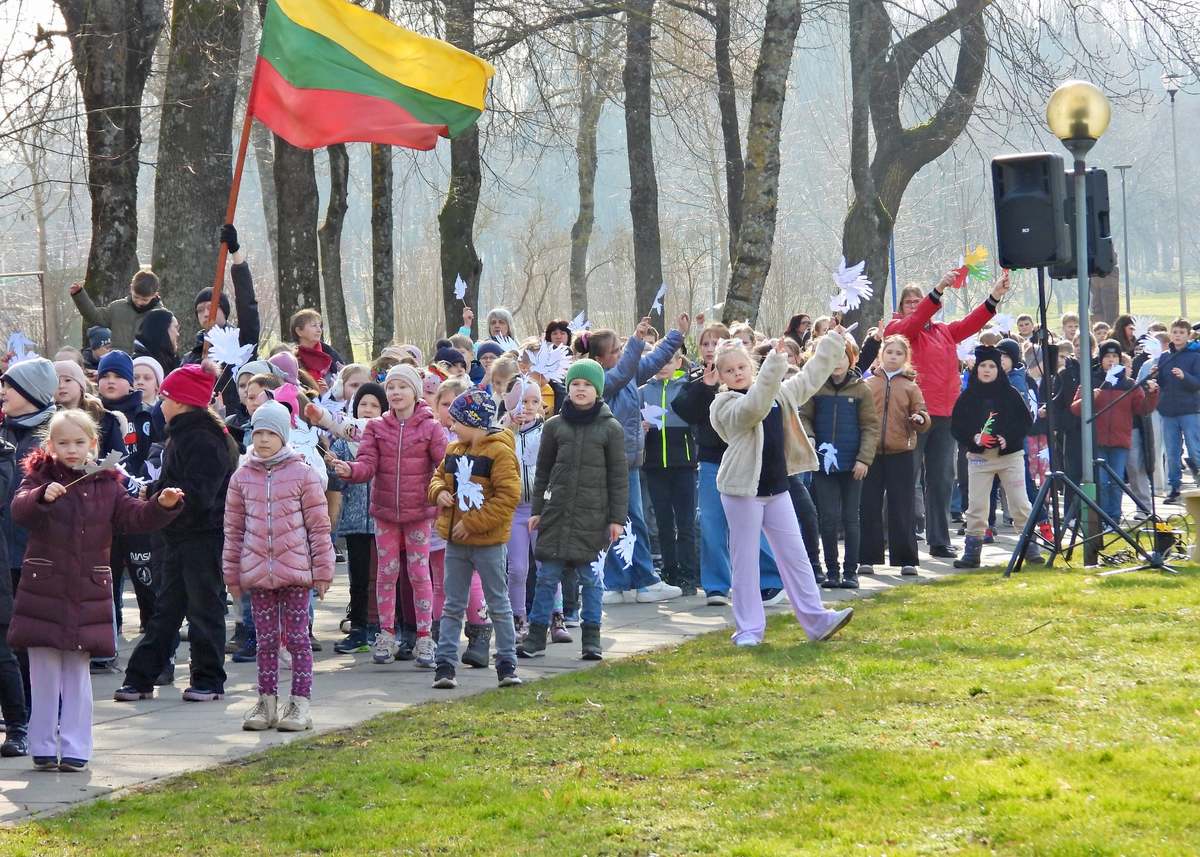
pixel 1179 396
pixel 844 415
pixel 621 387
pixel 356 498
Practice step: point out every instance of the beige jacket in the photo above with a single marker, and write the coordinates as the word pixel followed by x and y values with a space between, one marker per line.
pixel 738 417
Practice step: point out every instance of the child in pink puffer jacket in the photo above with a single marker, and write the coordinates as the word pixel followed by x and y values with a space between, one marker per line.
pixel 277 548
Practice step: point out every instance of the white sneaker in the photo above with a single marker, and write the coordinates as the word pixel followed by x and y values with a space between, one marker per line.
pixel 295 716
pixel 658 592
pixel 424 653
pixel 840 620
pixel 264 715
pixel 613 596
pixel 778 598
pixel 384 649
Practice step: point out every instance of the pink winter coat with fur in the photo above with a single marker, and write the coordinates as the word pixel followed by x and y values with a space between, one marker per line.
pixel 401 460
pixel 276 526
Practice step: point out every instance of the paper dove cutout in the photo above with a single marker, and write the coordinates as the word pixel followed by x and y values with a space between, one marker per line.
pixel 470 494
pixel 1114 375
pixel 550 361
pixel 579 323
pixel 853 287
pixel 153 470
pixel 224 348
pixel 1151 347
pixel 829 456
pixel 1003 322
pixel 657 306
pixel 460 288
pixel 507 343
pixel 108 462
pixel 1141 326
pixel 626 544
pixel 19 346
pixel 655 415
pixel 966 348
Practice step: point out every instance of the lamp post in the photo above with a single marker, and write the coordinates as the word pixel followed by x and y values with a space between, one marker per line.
pixel 1171 84
pixel 1126 264
pixel 1078 114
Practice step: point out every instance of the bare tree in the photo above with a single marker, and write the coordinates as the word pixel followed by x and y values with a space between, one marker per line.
pixel 297 276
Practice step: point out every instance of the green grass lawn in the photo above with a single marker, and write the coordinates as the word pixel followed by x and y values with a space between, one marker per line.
pixel 1053 714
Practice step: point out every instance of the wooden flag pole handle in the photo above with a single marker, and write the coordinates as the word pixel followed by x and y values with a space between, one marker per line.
pixel 230 209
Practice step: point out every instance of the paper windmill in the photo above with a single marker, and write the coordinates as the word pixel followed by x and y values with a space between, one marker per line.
pixel 470 494
pixel 224 348
pixel 657 306
pixel 853 287
pixel 626 544
pixel 829 456
pixel 579 323
pixel 460 288
pixel 973 266
pixel 987 439
pixel 550 361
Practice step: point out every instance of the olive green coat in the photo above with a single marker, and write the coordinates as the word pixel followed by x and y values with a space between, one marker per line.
pixel 581 487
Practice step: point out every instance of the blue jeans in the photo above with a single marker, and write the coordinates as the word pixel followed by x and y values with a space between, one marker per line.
pixel 548 577
pixel 1175 430
pixel 641 573
pixel 1109 489
pixel 461 562
pixel 715 573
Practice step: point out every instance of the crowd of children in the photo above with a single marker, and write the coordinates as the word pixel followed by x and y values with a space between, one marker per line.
pixel 510 488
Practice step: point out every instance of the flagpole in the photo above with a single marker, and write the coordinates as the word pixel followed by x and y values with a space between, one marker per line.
pixel 231 207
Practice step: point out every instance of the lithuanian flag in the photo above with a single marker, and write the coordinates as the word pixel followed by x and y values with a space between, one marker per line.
pixel 331 72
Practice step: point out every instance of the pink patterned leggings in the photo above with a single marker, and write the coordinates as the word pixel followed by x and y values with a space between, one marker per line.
pixel 285 610
pixel 403 546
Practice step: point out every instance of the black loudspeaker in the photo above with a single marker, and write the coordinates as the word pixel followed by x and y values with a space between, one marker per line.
pixel 1029 192
pixel 1100 259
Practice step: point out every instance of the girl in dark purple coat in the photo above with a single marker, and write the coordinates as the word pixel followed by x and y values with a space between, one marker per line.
pixel 63 609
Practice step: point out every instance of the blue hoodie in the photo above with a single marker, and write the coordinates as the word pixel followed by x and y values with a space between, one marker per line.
pixel 621 387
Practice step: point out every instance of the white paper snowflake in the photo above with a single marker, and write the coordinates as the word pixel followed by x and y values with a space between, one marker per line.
pixel 109 462
pixel 1141 326
pixel 626 544
pixel 223 347
pixel 966 348
pixel 657 306
pixel 470 494
pixel 579 323
pixel 598 565
pixel 1003 322
pixel 829 455
pixel 853 287
pixel 1151 347
pixel 460 288
pixel 550 361
pixel 153 470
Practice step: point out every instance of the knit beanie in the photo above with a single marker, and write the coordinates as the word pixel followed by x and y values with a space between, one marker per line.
pixel 473 408
pixel 414 351
pixel 987 352
pixel 409 375
pixel 259 367
pixel 272 417
pixel 98 337
pixel 587 370
pixel 1108 346
pixel 368 389
pixel 204 296
pixel 1011 349
pixel 431 383
pixel 190 385
pixel 152 364
pixel 286 363
pixel 489 347
pixel 35 379
pixel 73 371
pixel 450 356
pixel 119 362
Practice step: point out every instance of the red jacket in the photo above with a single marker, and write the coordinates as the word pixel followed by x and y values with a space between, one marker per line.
pixel 65 598
pixel 276 526
pixel 400 459
pixel 935 349
pixel 1115 426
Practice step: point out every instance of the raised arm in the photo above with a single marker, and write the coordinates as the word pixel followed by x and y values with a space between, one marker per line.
pixel 656 359
pixel 92 314
pixel 732 412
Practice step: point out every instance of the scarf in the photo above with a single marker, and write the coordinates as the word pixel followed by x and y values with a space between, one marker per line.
pixel 285 452
pixel 314 360
pixel 575 416
pixel 32 420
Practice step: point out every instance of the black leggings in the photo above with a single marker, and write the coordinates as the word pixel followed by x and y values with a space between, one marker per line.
pixel 359 547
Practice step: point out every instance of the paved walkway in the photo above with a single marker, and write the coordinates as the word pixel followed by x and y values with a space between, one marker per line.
pixel 144 742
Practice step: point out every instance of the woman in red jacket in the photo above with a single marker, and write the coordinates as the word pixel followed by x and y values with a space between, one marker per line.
pixel 935 359
pixel 63 612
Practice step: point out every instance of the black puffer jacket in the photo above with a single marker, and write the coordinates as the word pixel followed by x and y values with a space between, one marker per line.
pixel 249 329
pixel 7 469
pixel 199 458
pixel 582 484
pixel 25 439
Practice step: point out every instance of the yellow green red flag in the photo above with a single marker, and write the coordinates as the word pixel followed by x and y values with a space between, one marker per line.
pixel 331 72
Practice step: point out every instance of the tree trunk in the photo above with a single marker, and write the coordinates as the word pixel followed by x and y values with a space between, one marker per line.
pixel 731 134
pixel 643 181
pixel 297 276
pixel 112 42
pixel 760 197
pixel 262 142
pixel 329 240
pixel 383 277
pixel 191 187
pixel 592 85
pixel 456 221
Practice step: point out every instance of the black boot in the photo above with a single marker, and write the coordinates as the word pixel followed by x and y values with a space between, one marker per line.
pixel 406 641
pixel 971 553
pixel 479 644
pixel 591 650
pixel 850 579
pixel 833 580
pixel 534 645
pixel 15 742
